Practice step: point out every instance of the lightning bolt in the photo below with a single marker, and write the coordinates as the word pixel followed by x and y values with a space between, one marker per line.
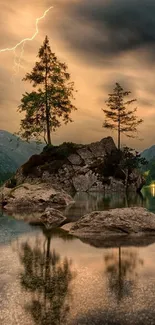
pixel 17 63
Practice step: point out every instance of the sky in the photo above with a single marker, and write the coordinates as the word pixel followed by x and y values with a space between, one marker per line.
pixel 102 42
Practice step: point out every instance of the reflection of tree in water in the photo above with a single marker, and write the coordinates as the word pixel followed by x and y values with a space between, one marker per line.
pixel 124 200
pixel 88 202
pixel 149 194
pixel 48 278
pixel 121 271
pixel 135 199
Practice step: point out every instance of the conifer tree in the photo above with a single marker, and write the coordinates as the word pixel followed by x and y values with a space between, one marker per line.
pixel 118 115
pixel 51 101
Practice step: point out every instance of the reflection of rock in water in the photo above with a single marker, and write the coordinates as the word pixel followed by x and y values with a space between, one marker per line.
pixel 121 271
pixel 88 202
pixel 116 317
pixel 47 277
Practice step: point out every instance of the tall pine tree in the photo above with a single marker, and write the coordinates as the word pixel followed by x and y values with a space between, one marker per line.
pixel 51 101
pixel 118 115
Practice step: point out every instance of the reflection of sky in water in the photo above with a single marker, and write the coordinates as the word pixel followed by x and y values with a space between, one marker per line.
pixel 50 278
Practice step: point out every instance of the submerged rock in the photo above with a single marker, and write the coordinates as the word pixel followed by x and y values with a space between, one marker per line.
pixel 52 218
pixel 106 224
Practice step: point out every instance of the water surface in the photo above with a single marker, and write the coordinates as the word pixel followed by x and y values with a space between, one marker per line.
pixel 51 278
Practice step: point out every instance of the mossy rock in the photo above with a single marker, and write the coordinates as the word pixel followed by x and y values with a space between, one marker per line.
pixel 52 166
pixel 61 152
pixel 34 161
pixel 11 183
pixel 52 157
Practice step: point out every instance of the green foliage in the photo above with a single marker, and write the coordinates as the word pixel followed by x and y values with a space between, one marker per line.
pixel 131 159
pixel 119 160
pixel 51 102
pixel 48 148
pixel 62 151
pixel 118 116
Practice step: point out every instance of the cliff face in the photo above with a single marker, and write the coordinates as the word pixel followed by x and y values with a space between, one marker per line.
pixel 78 168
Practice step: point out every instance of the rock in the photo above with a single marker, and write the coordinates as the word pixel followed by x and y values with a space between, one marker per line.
pixel 67 226
pixel 52 218
pixel 86 155
pixel 83 183
pixel 124 222
pixel 75 168
pixel 135 181
pixel 100 148
pixel 61 199
pixel 35 197
pixel 75 159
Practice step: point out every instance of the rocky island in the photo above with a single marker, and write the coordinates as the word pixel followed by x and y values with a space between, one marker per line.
pixel 46 182
pixel 79 168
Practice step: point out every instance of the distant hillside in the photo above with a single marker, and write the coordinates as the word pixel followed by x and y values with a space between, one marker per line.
pixel 149 169
pixel 149 153
pixel 14 152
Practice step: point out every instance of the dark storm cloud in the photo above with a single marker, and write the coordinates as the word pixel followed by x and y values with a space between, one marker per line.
pixel 100 28
pixel 127 82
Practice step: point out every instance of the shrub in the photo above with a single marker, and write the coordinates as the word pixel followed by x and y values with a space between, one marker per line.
pixel 126 158
pixel 62 151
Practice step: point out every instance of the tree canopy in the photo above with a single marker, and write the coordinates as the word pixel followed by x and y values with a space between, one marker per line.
pixel 50 102
pixel 119 116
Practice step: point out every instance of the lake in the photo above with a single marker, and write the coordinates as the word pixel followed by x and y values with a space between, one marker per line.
pixel 52 278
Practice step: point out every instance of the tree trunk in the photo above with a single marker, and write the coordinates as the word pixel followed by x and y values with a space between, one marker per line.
pixel 47 107
pixel 120 276
pixel 47 269
pixel 119 131
pixel 119 140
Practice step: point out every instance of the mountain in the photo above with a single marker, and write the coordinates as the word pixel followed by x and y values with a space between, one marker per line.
pixel 149 153
pixel 149 169
pixel 14 152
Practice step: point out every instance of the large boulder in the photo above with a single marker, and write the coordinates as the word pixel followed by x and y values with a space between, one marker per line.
pixel 115 222
pixel 34 197
pixel 100 148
